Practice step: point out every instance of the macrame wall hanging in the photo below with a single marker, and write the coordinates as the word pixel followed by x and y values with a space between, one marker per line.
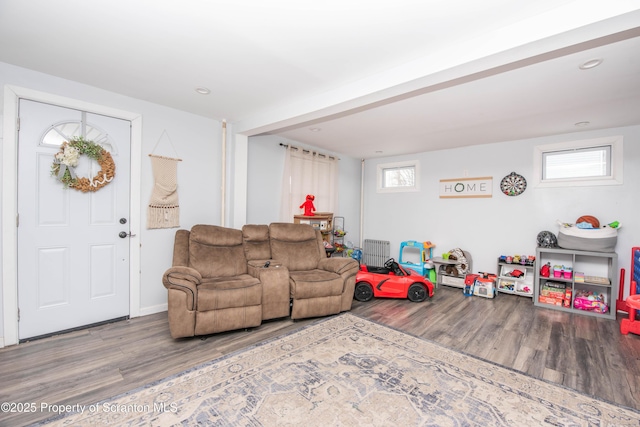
pixel 164 209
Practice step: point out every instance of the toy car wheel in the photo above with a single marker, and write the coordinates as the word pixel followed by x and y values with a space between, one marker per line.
pixel 364 292
pixel 417 293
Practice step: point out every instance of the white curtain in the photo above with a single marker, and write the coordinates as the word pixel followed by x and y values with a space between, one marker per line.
pixel 308 172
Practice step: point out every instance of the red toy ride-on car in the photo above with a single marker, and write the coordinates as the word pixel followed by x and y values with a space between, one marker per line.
pixel 391 281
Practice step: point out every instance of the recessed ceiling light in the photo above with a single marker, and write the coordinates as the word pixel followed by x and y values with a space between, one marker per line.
pixel 583 124
pixel 203 91
pixel 379 152
pixel 315 129
pixel 592 63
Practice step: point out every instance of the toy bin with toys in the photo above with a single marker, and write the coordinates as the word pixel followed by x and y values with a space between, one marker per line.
pixel 590 301
pixel 587 234
pixel 515 274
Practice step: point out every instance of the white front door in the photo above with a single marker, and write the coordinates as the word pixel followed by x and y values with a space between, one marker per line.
pixel 73 266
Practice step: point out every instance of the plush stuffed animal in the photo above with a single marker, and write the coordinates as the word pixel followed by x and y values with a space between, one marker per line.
pixel 451 270
pixel 308 205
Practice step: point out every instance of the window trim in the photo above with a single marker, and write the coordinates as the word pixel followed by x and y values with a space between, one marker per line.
pixel 616 177
pixel 415 164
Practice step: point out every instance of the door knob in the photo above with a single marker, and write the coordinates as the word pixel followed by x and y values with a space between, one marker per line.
pixel 124 234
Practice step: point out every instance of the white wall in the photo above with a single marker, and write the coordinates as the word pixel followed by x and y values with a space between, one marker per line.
pixel 196 140
pixel 485 227
pixel 500 225
pixel 266 162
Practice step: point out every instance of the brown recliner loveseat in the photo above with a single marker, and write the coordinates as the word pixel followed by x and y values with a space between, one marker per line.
pixel 224 279
pixel 209 289
pixel 319 286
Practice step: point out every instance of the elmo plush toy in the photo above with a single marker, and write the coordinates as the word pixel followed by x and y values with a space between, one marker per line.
pixel 308 205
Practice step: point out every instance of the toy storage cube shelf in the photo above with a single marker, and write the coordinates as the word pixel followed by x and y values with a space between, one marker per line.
pixel 337 239
pixel 322 221
pixel 599 269
pixel 515 285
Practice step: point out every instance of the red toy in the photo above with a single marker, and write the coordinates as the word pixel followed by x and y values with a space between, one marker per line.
pixel 631 323
pixel 391 281
pixel 308 205
pixel 545 271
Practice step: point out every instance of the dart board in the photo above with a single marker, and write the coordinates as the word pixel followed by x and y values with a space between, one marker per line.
pixel 513 184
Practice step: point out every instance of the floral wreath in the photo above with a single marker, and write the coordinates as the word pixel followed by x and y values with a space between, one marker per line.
pixel 65 161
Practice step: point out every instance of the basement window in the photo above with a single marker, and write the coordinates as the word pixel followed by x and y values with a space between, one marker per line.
pixel 398 177
pixel 579 163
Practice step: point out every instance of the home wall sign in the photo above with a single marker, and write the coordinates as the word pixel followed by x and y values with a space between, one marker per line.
pixel 466 187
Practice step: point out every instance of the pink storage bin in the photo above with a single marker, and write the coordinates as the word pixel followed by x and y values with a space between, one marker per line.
pixel 584 303
pixel 567 274
pixel 557 273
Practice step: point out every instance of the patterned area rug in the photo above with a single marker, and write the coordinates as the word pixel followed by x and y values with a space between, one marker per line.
pixel 346 371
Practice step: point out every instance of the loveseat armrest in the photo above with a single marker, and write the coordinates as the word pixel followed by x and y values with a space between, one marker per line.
pixel 345 267
pixel 185 279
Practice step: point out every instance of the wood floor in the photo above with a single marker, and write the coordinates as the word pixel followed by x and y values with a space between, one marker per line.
pixel 84 367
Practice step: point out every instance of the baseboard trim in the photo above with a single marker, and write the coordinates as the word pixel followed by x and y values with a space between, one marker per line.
pixel 1 342
pixel 154 309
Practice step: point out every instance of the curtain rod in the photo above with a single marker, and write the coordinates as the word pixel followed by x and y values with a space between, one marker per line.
pixel 304 150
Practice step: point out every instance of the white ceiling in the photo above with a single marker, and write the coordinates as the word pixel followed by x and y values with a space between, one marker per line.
pixel 378 78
